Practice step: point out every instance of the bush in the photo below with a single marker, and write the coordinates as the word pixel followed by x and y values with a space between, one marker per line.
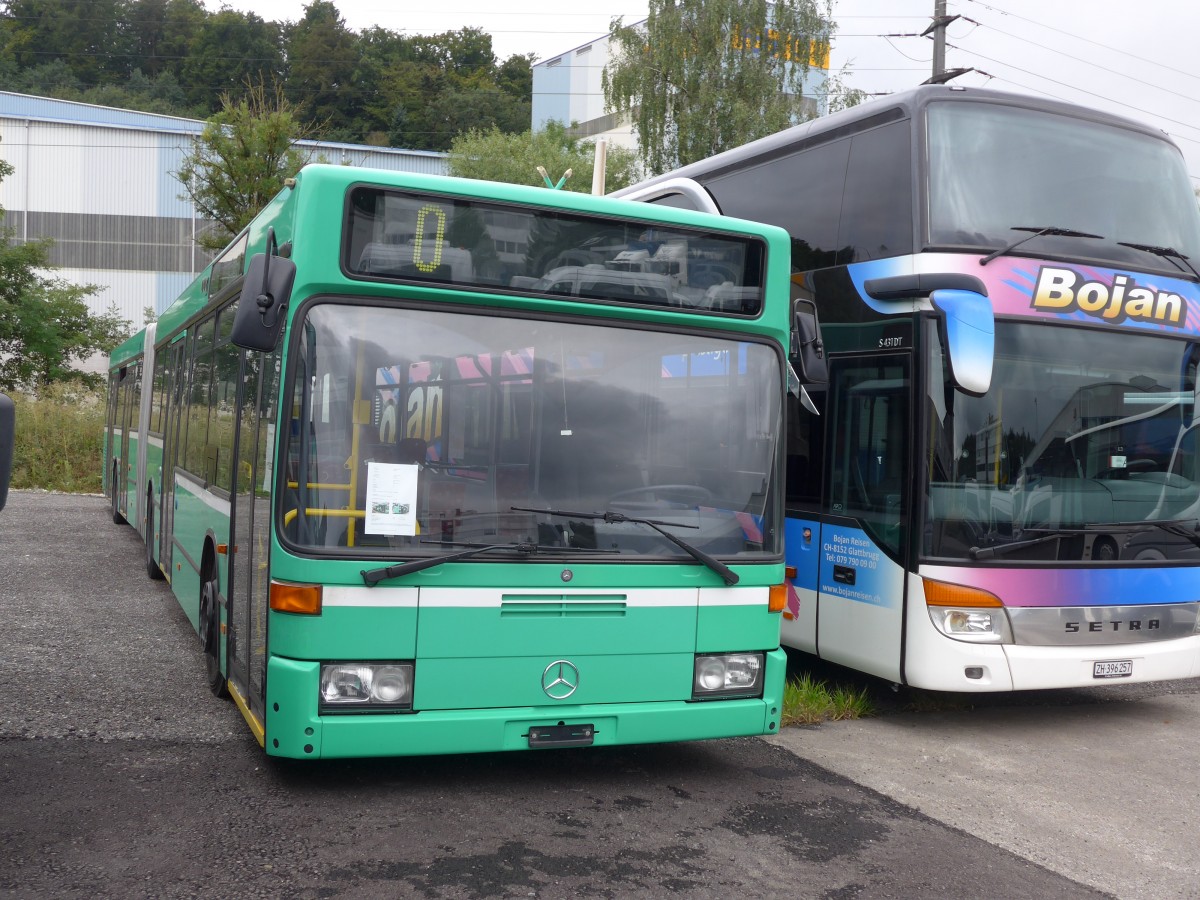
pixel 60 439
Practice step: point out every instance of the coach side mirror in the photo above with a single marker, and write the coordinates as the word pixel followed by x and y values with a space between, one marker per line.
pixel 808 350
pixel 970 335
pixel 8 428
pixel 263 306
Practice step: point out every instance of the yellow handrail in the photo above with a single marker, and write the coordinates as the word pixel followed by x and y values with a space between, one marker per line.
pixel 291 514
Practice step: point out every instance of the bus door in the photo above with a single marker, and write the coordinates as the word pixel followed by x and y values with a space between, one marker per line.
pixel 121 444
pixel 249 583
pixel 249 503
pixel 112 442
pixel 176 387
pixel 864 537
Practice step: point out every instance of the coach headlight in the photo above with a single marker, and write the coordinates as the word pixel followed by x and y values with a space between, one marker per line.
pixel 349 686
pixel 967 614
pixel 723 675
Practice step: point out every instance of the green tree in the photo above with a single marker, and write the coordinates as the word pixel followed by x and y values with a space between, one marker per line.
pixel 322 57
pixel 230 51
pixel 495 156
pixel 515 76
pixel 241 160
pixel 161 31
pixel 436 87
pixel 702 76
pixel 88 35
pixel 45 325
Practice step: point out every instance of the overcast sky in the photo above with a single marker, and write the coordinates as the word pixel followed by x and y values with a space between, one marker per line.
pixel 1134 58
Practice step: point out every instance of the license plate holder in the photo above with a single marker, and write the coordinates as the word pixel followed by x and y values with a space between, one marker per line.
pixel 1112 668
pixel 562 735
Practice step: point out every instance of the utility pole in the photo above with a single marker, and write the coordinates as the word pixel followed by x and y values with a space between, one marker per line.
pixel 939 37
pixel 938 27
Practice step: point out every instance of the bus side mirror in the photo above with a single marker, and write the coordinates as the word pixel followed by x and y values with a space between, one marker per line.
pixel 808 348
pixel 8 427
pixel 970 336
pixel 263 307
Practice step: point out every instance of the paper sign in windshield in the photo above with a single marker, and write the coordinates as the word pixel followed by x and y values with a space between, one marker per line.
pixel 391 499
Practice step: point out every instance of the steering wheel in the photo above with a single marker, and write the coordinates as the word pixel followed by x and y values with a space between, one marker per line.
pixel 705 276
pixel 688 494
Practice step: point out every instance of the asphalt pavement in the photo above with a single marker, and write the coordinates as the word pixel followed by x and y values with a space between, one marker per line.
pixel 1104 789
pixel 121 776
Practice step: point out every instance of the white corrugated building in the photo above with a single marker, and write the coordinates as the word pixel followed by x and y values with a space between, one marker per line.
pixel 99 182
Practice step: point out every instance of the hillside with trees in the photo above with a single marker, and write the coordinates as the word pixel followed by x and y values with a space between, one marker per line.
pixel 175 57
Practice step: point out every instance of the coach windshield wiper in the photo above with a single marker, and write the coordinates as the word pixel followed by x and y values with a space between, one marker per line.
pixel 1049 535
pixel 612 518
pixel 1176 527
pixel 1037 232
pixel 1184 528
pixel 1168 253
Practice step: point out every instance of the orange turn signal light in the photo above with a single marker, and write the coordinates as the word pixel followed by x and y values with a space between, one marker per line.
pixel 296 598
pixel 777 598
pixel 940 593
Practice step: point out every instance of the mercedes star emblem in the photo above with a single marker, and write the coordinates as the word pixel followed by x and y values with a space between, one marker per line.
pixel 560 679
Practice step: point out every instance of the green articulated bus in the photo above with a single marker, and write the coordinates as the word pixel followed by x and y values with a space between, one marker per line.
pixel 438 466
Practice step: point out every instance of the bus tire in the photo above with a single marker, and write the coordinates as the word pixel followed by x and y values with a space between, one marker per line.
pixel 116 507
pixel 153 572
pixel 210 633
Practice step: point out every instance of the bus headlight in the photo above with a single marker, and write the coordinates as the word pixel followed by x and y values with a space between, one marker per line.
pixel 967 613
pixel 366 686
pixel 988 626
pixel 727 675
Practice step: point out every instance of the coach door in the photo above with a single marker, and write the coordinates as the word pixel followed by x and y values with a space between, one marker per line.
pixel 864 537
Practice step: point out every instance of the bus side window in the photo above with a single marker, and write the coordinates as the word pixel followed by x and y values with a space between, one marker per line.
pixel 224 403
pixel 877 210
pixel 805 199
pixel 805 455
pixel 200 399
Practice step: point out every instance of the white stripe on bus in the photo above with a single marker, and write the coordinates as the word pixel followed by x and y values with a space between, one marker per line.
pixel 494 598
pixel 375 597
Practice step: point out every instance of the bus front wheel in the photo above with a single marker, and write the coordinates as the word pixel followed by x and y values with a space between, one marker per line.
pixel 210 632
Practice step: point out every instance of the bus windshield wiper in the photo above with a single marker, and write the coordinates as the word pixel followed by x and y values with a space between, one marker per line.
pixel 1184 528
pixel 727 575
pixel 1054 230
pixel 1175 527
pixel 372 577
pixel 1168 253
pixel 1001 549
pixel 529 548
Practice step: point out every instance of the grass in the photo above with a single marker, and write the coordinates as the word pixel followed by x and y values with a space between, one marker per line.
pixel 807 701
pixel 59 440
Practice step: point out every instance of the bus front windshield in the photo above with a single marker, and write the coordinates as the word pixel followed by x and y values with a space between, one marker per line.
pixel 1085 450
pixel 995 169
pixel 421 433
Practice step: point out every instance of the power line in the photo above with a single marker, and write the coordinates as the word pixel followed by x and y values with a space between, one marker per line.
pixel 1104 97
pixel 1086 62
pixel 1124 52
